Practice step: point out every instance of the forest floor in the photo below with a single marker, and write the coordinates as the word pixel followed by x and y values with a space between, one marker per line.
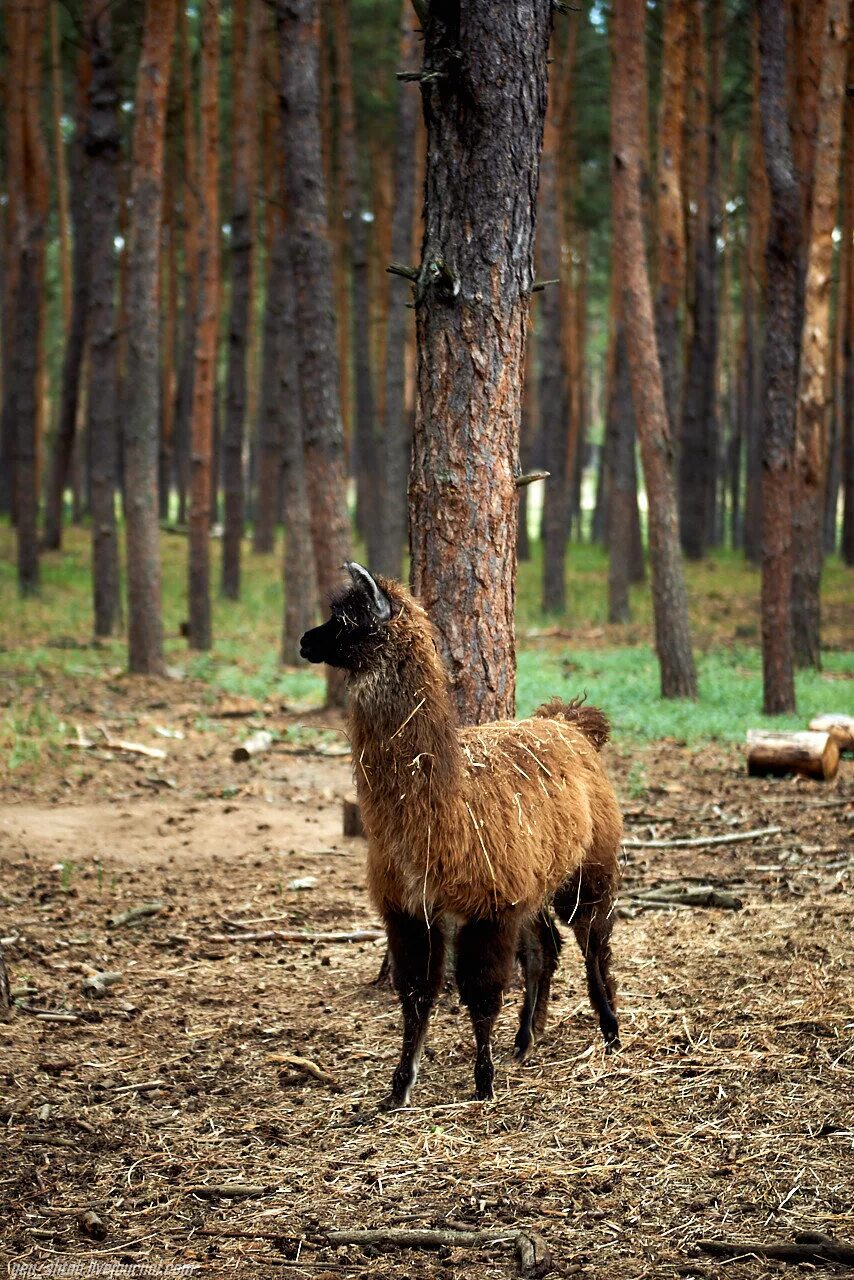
pixel 159 1124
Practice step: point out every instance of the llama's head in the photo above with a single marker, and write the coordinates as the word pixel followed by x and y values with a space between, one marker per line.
pixel 357 630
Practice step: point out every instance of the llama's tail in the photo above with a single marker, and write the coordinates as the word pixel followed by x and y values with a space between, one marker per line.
pixel 589 720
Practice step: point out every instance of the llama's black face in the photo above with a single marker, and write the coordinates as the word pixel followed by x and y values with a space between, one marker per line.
pixel 352 635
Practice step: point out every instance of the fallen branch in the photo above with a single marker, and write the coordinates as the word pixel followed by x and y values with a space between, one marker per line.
pixel 97 984
pixel 116 744
pixel 293 935
pixel 533 1258
pixel 231 1190
pixel 48 1015
pixel 134 914
pixel 808 1247
pixel 307 1067
pixel 146 1086
pixel 697 842
pixel 687 896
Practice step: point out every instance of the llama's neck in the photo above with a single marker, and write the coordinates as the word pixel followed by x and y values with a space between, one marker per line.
pixel 402 725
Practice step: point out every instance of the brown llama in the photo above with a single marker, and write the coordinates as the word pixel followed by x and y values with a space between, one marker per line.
pixel 486 827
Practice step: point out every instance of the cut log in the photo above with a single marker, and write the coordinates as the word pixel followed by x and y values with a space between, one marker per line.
pixel 840 727
pixel 352 817
pixel 254 745
pixel 816 755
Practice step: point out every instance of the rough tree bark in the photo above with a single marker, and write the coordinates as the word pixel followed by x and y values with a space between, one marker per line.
pixel 299 28
pixel 472 301
pixel 622 483
pixel 102 144
pixel 190 227
pixel 300 579
pixel 557 390
pixel 204 374
pixel 244 152
pixel 671 224
pixel 670 601
pixel 780 366
pixel 365 456
pixel 25 35
pixel 75 338
pixel 698 442
pixel 847 430
pixel 397 423
pixel 140 415
pixel 753 283
pixel 814 384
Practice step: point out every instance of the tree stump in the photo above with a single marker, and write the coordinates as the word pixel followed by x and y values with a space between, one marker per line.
pixel 840 727
pixel 352 817
pixel 815 755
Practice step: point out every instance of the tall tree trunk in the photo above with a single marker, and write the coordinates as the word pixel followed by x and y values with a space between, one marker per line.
pixel 299 52
pixel 780 366
pixel 202 486
pixel 753 283
pixel 103 149
pixel 25 35
pixel 300 579
pixel 670 600
pixel 811 423
pixel 397 422
pixel 140 413
pixel 698 447
pixel 472 301
pixel 847 545
pixel 169 322
pixel 556 312
pixel 244 135
pixel 622 488
pixel 73 361
pixel 190 227
pixel 353 211
pixel 60 168
pixel 671 225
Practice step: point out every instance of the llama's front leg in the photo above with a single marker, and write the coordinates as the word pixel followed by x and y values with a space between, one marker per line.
pixel 417 953
pixel 485 953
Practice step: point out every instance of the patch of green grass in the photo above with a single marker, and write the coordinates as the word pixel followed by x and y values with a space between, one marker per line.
pixel 49 637
pixel 28 732
pixel 625 684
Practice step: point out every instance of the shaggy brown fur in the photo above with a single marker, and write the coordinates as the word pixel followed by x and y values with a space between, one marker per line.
pixel 480 824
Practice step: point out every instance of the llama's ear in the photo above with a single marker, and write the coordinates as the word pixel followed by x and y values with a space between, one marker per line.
pixel 379 601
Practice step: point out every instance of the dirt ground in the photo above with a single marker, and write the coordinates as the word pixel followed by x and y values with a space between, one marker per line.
pixel 727 1115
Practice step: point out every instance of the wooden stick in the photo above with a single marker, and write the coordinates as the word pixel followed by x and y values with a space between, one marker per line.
pixel 810 1248
pixel 697 842
pixel 687 896
pixel 293 935
pixel 533 1258
pixel 307 1067
pixel 135 914
pixel 231 1190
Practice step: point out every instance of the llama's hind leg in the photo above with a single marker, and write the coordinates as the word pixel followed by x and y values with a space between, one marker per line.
pixel 485 952
pixel 586 901
pixel 539 949
pixel 417 954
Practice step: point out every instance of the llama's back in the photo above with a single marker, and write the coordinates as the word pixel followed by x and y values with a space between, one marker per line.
pixel 537 805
